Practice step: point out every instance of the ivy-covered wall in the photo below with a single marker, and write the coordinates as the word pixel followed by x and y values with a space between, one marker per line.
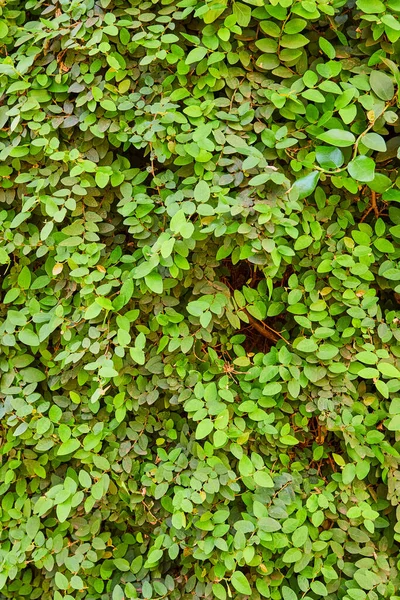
pixel 199 308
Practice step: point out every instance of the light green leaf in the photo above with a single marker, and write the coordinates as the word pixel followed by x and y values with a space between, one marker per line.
pixel 388 370
pixel 177 221
pixel 288 440
pixel 24 278
pixel 288 593
pixel 306 185
pixel 394 424
pixel 219 591
pixel 302 242
pixel 329 158
pixel 319 588
pixel 154 282
pixel 307 345
pixel 28 337
pixel 268 61
pixel 68 447
pixel 327 47
pixel 61 581
pixel 374 141
pixel 32 375
pixel 202 190
pixel 242 13
pixel 292 555
pixel 240 583
pixel 196 55
pixel 381 84
pixel 338 137
pixel 300 536
pixel 348 473
pixel 263 479
pixel 371 6
pixel 204 428
pixel 32 526
pixel 102 179
pixel 3 30
pixel 362 168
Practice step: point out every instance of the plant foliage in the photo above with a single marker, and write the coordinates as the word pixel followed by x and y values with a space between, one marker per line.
pixel 199 322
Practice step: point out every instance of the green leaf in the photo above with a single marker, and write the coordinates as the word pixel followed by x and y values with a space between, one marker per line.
pixel 327 351
pixel 263 587
pixel 302 242
pixel 291 556
pixel 337 137
pixel 118 593
pixel 154 282
pixel 24 278
pixel 218 589
pixel 362 168
pixel 381 84
pixel 371 6
pixel 368 373
pixel 68 447
pixel 28 337
pixel 43 505
pixel 327 47
pixel 380 184
pixel 394 423
pixel 296 40
pixel 269 525
pixel 263 479
pixel 300 536
pixel 197 307
pixel 384 246
pixel 4 257
pixel 368 358
pixel 11 295
pixel 348 473
pixel 267 45
pixel 329 158
pixel 202 190
pixel 240 583
pixel 366 579
pixel 288 593
pixel 153 558
pixel 32 526
pixel 3 30
pixel 246 467
pixel 193 111
pixel 374 141
pixel 242 13
pixel 187 230
pixel 61 581
pixel 307 345
pixel 306 185
pixel 32 375
pixel 204 428
pixel 267 62
pixel 319 588
pixel 63 510
pixel 196 55
pixel 288 440
pixel 179 225
pixel 92 311
pixel 102 179
pixel 388 370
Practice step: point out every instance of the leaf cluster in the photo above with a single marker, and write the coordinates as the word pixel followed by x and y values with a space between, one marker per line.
pixel 199 322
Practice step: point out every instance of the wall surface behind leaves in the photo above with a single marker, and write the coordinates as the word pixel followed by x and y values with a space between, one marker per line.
pixel 199 306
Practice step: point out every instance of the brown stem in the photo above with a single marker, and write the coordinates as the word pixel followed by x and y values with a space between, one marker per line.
pixel 373 207
pixel 373 204
pixel 265 329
